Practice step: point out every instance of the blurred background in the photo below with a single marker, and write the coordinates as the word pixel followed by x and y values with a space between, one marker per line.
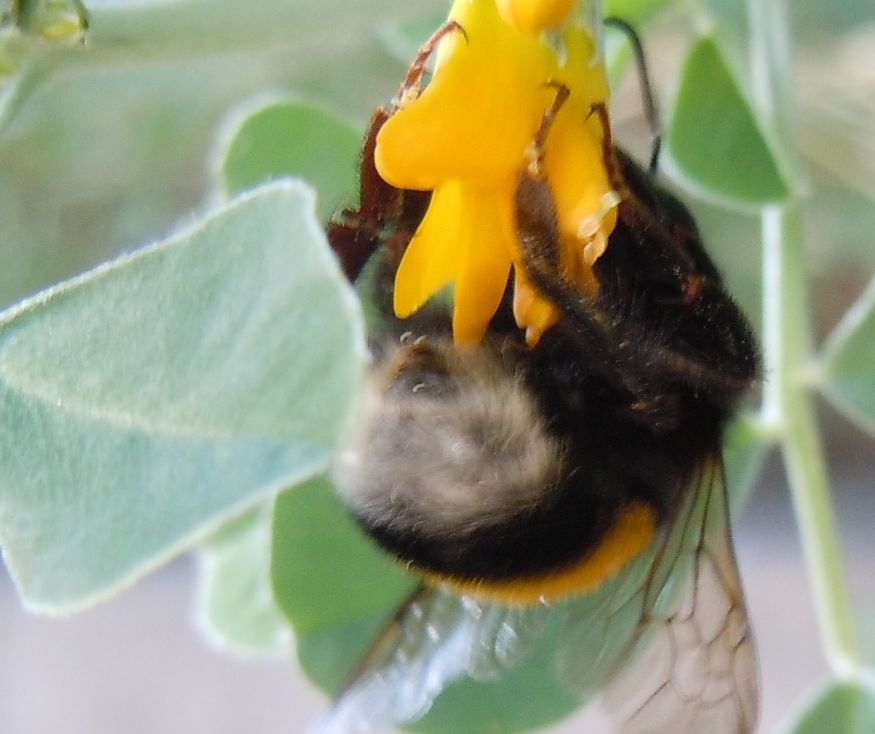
pixel 105 148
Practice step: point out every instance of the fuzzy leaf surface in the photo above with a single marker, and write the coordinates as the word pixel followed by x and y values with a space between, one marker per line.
pixel 147 401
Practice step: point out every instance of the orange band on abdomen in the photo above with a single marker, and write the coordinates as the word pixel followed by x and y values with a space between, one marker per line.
pixel 628 537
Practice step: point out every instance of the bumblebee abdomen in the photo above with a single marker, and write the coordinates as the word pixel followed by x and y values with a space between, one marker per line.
pixel 457 471
pixel 447 444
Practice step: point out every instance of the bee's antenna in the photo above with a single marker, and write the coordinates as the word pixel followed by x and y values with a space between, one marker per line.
pixel 650 111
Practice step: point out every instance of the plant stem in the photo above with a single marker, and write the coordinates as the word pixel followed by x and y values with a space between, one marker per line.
pixel 787 351
pixel 788 401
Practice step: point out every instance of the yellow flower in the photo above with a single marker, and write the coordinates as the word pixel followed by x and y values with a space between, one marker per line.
pixel 465 139
pixel 534 15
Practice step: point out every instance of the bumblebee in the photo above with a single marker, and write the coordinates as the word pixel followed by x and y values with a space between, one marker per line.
pixel 579 477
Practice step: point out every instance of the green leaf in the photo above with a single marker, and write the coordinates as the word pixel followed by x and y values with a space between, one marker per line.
pixel 847 363
pixel 295 139
pixel 326 572
pixel 338 590
pixel 714 138
pixel 331 581
pixel 150 399
pixel 236 606
pixel 840 707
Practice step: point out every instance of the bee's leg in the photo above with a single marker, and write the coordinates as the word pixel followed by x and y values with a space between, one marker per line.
pixel 656 272
pixel 536 224
pixel 535 152
pixel 386 216
pixel 537 232
pixel 628 348
pixel 661 317
pixel 385 642
pixel 355 234
pixel 411 87
pixel 582 321
pixel 663 228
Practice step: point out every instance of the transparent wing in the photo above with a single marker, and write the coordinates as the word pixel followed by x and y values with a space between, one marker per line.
pixel 662 648
pixel 676 654
pixel 435 638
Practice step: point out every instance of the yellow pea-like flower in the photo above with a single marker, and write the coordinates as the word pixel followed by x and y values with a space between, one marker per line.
pixel 465 138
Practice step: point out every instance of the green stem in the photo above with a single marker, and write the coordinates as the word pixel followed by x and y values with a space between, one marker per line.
pixel 788 400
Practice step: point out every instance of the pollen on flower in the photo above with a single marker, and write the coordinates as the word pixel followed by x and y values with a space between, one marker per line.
pixel 591 229
pixel 466 137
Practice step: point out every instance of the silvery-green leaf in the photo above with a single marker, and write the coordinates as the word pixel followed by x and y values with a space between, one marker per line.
pixel 236 606
pixel 847 374
pixel 147 401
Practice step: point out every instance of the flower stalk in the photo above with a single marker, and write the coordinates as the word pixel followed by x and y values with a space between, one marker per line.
pixel 788 402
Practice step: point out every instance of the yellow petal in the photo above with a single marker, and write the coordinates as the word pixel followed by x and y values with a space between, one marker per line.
pixel 574 158
pixel 432 258
pixel 467 136
pixel 531 311
pixel 583 70
pixel 478 113
pixel 482 277
pixel 575 168
pixel 534 16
